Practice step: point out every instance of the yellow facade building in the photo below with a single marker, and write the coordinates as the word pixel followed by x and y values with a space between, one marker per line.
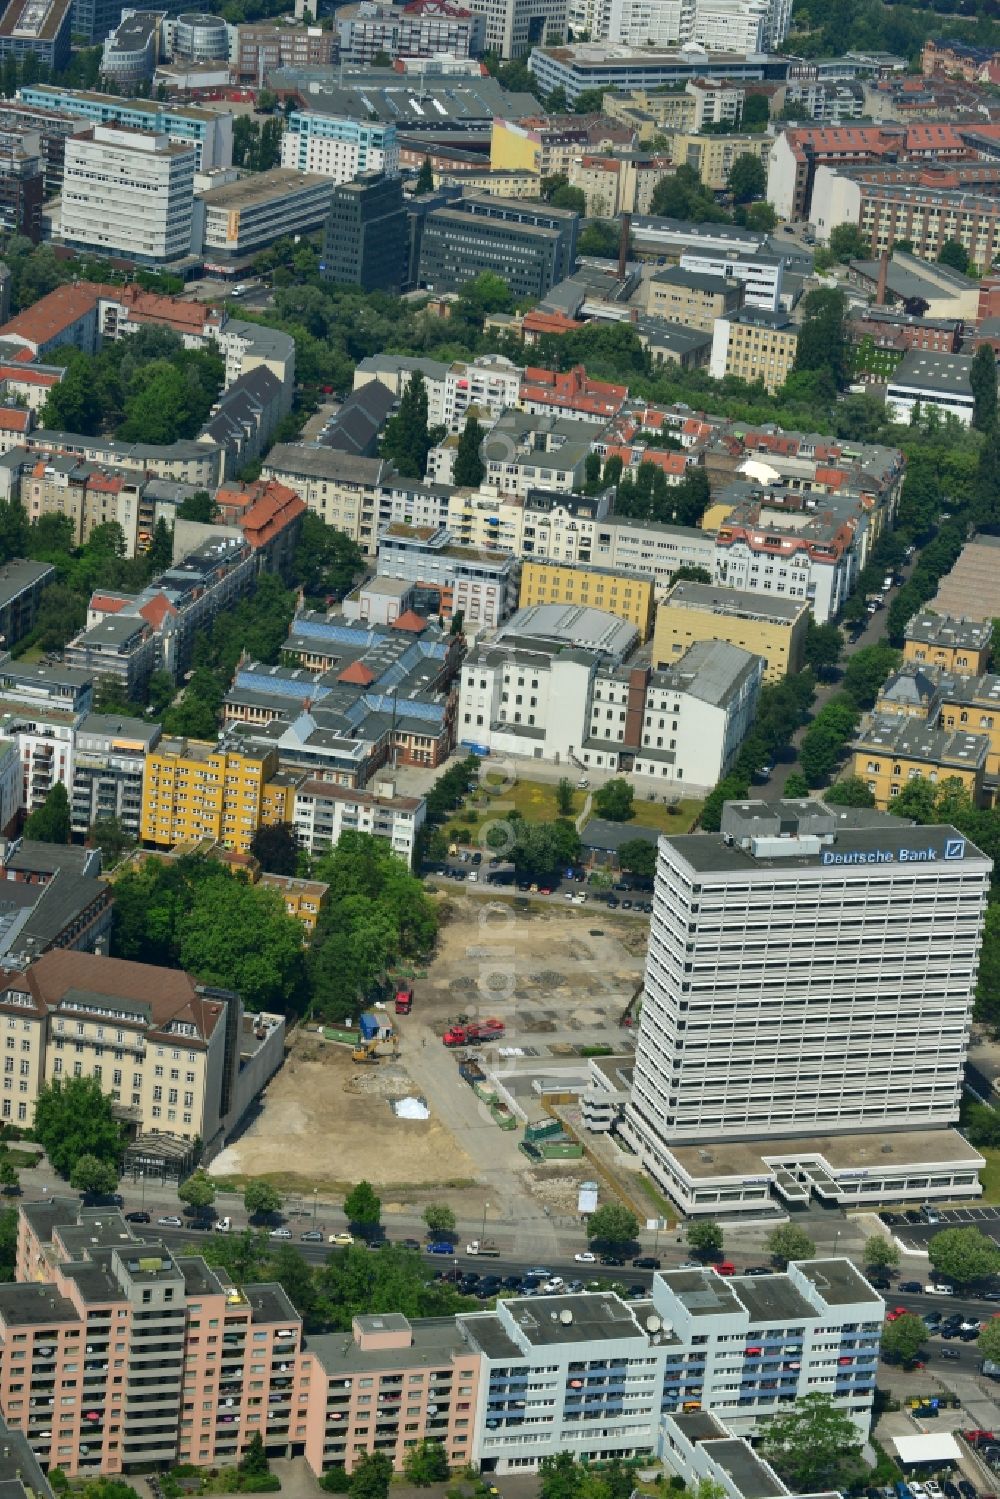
pixel 769 627
pixel 630 596
pixel 891 752
pixel 755 345
pixel 193 790
pixel 712 156
pixel 958 645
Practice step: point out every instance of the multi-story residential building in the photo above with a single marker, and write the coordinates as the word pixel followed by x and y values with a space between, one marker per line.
pixel 522 452
pixel 209 131
pixel 490 383
pixel 923 380
pixel 604 1378
pixel 526 693
pixel 365 239
pixel 792 916
pixel 545 145
pixel 244 217
pixel 698 299
pixel 756 345
pixel 420 28
pixel 264 45
pixel 341 489
pixel 570 393
pixel 167 1050
pixel 338 148
pixel 193 790
pixel 532 245
pixel 623 182
pixel 892 750
pixel 41 707
pixel 774 629
pixel 712 156
pixel 109 766
pixel 21 183
pixel 321 812
pixel 128 193
pixel 771 542
pixel 93 1295
pixel 956 644
pixel 21 587
pixel 38 29
pixel 120 649
pixel 629 596
pixel 481 586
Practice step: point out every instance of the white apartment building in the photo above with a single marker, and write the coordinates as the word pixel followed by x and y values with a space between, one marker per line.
pixel 748 26
pixel 799 1032
pixel 322 811
pixel 802 557
pixel 760 273
pixel 513 27
pixel 730 26
pixel 555 683
pixel 338 147
pixel 128 193
pixel 602 1378
pixel 490 383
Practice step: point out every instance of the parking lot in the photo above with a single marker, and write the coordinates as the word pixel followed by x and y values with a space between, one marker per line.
pixel 574 887
pixel 915 1234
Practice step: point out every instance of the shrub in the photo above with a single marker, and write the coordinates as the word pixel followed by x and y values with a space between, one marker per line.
pixel 335 1481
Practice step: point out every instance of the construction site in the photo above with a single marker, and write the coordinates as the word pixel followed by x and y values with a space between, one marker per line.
pixel 526 994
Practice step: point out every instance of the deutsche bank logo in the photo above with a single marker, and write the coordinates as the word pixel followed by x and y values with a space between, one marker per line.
pixel 954 848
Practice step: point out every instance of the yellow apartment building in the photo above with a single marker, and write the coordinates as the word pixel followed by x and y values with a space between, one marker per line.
pixel 971 705
pixel 956 644
pixel 697 299
pixel 630 596
pixel 890 752
pixel 769 627
pixel 712 156
pixel 193 790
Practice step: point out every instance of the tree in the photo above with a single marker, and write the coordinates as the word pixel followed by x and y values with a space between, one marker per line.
pixel 426 1463
pixel 847 243
pixel 756 112
pixel 260 1199
pixel 9 1174
pixel 564 796
pixel 276 848
pixel 254 1460
pixel 600 240
pixel 198 1191
pixel 788 1242
pixel 904 1337
pixel 198 506
pixel 362 1206
pixel 822 344
pixel 469 467
pixel 439 1218
pixel 762 217
pixel 638 856
pixel 50 823
pixel 823 645
pixel 963 1255
pixel 954 255
pixel 240 937
pixel 73 1118
pixel 814 1446
pixel 796 785
pixel 852 791
pixel 612 1224
pixel 988 1342
pixel 614 799
pixel 747 178
pixel 327 561
pixel 880 1254
pixel 983 376
pixel 371 1476
pixel 407 440
pixel 705 1238
pixel 93 1177
pixel 425 177
pixel 866 672
pixel 110 837
pixel 560 1476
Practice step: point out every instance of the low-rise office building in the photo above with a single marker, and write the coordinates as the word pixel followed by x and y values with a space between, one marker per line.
pixel 481 586
pixel 629 596
pixel 420 28
pixel 280 43
pixel 209 131
pixel 532 245
pixel 241 218
pixel 924 380
pixel 774 629
pixel 38 30
pixel 338 148
pixel 695 298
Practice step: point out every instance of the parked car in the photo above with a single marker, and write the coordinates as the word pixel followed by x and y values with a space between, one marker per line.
pixel 170 1220
pixel 344 1239
pixel 646 1262
pixel 138 1217
pixel 313 1236
pixel 441 1246
pixel 912 1287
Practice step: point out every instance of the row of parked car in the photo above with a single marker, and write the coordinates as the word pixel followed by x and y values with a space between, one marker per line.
pixel 947 1486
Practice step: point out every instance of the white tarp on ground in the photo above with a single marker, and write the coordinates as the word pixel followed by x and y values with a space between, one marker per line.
pixel 928 1447
pixel 411 1108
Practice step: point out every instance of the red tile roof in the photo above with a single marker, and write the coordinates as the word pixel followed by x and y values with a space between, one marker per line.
pixel 55 313
pixel 14 419
pixel 358 674
pixel 157 610
pixel 170 994
pixel 105 603
pixel 410 621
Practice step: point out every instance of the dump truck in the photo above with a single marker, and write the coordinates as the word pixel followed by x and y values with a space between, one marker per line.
pixel 483 1247
pixel 463 1035
pixel 404 999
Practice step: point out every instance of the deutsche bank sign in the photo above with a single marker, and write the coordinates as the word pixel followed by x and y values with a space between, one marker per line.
pixel 954 848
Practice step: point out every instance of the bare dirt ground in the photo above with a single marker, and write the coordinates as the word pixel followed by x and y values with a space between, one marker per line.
pixel 325 1116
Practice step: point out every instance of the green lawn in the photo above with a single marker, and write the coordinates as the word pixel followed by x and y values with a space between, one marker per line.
pixel 536 802
pixel 666 819
pixel 990 1175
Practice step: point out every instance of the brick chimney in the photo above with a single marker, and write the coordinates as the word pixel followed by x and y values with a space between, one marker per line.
pixel 623 246
pixel 883 279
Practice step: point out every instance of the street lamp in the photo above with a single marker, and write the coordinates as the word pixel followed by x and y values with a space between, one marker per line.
pixel 482 1236
pixel 142 1180
pixel 315 1190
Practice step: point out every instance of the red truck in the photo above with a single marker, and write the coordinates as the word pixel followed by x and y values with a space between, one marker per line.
pixel 462 1035
pixel 404 999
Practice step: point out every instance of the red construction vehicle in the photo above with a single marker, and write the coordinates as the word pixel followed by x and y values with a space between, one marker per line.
pixel 462 1035
pixel 404 999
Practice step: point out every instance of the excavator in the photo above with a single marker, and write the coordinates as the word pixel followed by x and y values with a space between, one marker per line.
pixel 371 1051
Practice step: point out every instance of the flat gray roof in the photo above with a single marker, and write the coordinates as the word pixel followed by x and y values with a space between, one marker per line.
pixel 771 1298
pixel 838 1281
pixel 742 604
pixel 591 1317
pixel 702 1293
pixel 707 853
